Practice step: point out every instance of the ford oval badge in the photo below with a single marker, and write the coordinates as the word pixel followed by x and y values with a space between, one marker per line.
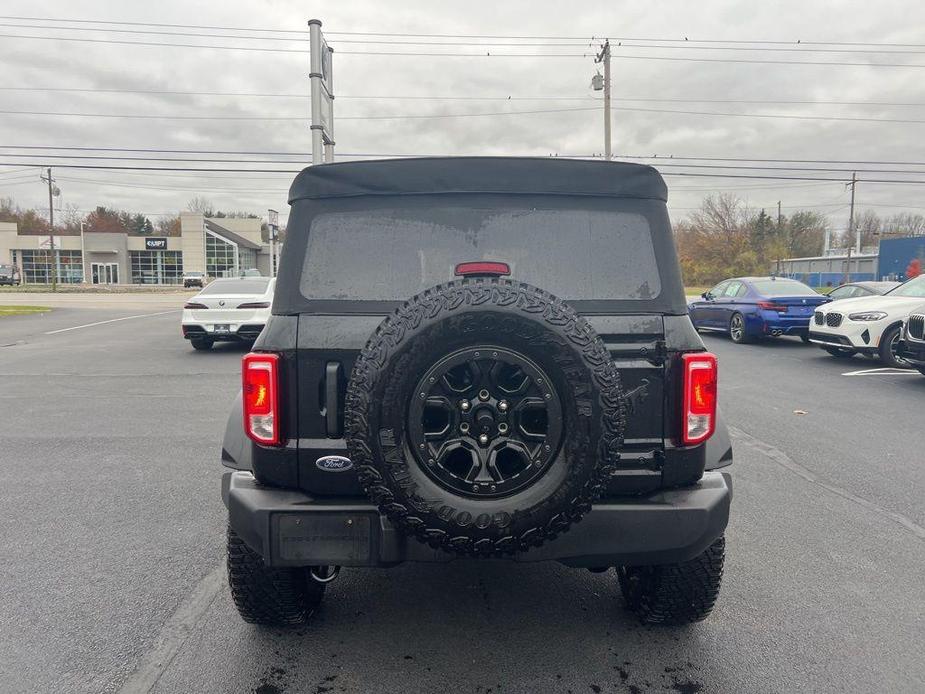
pixel 334 463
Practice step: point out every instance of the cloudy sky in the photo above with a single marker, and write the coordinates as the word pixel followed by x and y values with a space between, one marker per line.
pixel 699 99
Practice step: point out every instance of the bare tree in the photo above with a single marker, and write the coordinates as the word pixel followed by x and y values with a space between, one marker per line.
pixel 724 214
pixel 201 205
pixel 905 224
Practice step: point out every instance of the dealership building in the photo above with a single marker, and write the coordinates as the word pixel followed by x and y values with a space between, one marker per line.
pixel 218 247
pixel 887 261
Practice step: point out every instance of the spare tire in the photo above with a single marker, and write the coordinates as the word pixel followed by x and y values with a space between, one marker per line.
pixel 483 416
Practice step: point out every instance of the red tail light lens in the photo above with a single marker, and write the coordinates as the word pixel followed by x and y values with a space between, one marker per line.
pixel 259 304
pixel 483 268
pixel 261 397
pixel 771 306
pixel 194 304
pixel 699 397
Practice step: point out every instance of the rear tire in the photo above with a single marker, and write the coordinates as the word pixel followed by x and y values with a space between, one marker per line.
pixel 737 331
pixel 840 352
pixel 675 594
pixel 887 349
pixel 265 595
pixel 201 344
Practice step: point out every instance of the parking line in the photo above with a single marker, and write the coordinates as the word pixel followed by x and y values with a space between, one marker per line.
pixel 112 320
pixel 882 371
pixel 785 461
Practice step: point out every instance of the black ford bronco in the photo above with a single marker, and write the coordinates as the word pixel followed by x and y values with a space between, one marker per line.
pixel 477 357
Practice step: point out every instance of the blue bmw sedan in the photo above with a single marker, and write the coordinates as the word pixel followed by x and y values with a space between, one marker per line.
pixel 753 307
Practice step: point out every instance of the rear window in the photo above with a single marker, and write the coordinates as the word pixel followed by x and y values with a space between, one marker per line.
pixel 783 288
pixel 392 254
pixel 254 286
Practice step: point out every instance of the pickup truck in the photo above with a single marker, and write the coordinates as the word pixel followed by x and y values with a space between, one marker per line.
pixel 473 358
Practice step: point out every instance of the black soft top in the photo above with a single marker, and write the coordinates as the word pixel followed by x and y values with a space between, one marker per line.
pixel 513 175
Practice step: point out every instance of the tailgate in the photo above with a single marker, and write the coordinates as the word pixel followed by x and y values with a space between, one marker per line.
pixel 329 345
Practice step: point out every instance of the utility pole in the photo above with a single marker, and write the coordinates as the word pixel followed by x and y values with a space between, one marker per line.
pixel 778 236
pixel 272 226
pixel 853 184
pixel 51 230
pixel 604 57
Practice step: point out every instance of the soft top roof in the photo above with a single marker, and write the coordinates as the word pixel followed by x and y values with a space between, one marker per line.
pixel 505 175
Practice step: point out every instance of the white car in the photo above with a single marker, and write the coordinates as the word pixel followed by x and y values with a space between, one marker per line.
pixel 867 325
pixel 228 310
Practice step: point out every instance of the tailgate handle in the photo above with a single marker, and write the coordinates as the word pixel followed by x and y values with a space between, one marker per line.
pixel 332 372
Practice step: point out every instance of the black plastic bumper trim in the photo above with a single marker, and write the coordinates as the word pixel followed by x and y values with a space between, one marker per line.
pixel 668 526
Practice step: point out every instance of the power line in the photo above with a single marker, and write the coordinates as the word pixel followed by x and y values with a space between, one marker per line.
pixel 629 57
pixel 655 157
pixel 613 37
pixel 469 36
pixel 487 54
pixel 666 164
pixel 670 173
pixel 393 97
pixel 485 42
pixel 429 116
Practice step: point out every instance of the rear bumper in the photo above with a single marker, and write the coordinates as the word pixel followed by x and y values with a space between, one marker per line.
pixel 290 528
pixel 246 332
pixel 773 323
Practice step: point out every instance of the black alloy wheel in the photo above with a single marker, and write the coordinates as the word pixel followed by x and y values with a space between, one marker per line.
pixel 486 421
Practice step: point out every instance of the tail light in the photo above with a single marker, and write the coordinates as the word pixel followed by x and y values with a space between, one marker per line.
pixel 771 306
pixel 259 304
pixel 194 304
pixel 483 267
pixel 260 374
pixel 699 397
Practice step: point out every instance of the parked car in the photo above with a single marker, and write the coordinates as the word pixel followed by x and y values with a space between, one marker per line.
pixel 748 308
pixel 868 325
pixel 416 397
pixel 194 279
pixel 228 310
pixel 9 275
pixel 853 290
pixel 911 348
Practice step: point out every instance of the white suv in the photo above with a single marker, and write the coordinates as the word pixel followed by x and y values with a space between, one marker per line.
pixel 867 325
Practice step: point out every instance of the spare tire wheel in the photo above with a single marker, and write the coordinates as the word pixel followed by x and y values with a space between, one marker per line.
pixel 483 416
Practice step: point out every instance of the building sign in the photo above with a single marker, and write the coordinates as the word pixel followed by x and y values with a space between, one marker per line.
pixel 156 244
pixel 45 243
pixel 321 75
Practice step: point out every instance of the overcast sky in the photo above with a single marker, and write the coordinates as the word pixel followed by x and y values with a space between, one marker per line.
pixel 49 64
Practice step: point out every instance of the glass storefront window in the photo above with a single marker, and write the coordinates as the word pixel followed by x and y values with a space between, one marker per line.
pixel 220 257
pixel 35 266
pixel 156 267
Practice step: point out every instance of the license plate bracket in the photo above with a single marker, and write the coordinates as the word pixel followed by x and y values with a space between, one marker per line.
pixel 318 539
pixel 221 328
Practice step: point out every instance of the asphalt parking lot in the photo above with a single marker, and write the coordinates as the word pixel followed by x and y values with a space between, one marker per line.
pixel 113 530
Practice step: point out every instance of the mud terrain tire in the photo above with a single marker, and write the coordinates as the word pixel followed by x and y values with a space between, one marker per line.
pixel 476 318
